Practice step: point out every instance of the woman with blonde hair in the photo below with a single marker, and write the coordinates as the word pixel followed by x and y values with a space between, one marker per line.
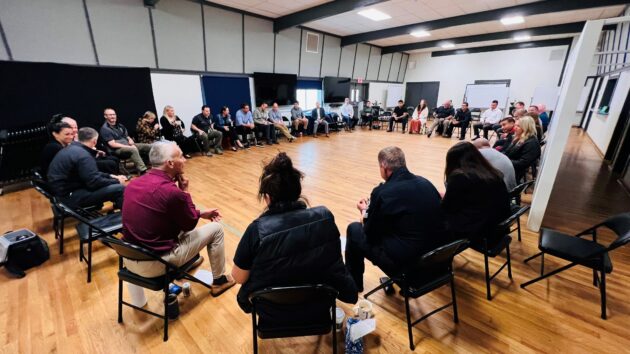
pixel 147 128
pixel 419 117
pixel 173 130
pixel 525 148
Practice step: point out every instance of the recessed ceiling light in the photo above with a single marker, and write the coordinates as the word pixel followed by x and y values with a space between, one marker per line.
pixel 374 15
pixel 448 45
pixel 522 38
pixel 514 20
pixel 420 34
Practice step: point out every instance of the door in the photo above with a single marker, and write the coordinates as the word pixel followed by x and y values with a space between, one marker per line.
pixel 415 91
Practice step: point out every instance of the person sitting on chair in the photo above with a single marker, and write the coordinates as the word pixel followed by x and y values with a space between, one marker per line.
pixel 147 129
pixel 159 214
pixel 104 161
pixel 400 221
pixel 498 161
pixel 319 116
pixel 298 118
pixel 245 124
pixel 489 120
pixel 117 138
pixel 289 244
pixel 173 129
pixel 400 115
pixel 75 179
pixel 202 127
pixel 441 113
pixel 61 136
pixel 367 115
pixel 347 115
pixel 263 125
pixel 476 198
pixel 460 120
pixel 505 134
pixel 278 122
pixel 524 150
pixel 223 123
pixel 419 117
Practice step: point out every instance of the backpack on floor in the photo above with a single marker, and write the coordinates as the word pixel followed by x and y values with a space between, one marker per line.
pixel 21 250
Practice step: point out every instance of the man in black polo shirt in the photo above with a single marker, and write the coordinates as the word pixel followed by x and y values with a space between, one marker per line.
pixel 117 138
pixel 441 113
pixel 75 179
pixel 401 221
pixel 462 119
pixel 400 114
pixel 203 128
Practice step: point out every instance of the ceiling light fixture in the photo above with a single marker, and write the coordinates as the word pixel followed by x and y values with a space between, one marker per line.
pixel 448 45
pixel 420 34
pixel 513 20
pixel 522 38
pixel 374 15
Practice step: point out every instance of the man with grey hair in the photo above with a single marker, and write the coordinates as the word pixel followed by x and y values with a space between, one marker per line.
pixel 159 214
pixel 400 221
pixel 105 163
pixel 498 161
pixel 75 179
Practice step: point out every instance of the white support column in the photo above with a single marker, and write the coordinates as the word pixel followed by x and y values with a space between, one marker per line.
pixel 577 69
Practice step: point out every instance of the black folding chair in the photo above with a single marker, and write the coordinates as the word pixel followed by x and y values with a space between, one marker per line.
pixel 492 249
pixel 432 271
pixel 580 251
pixel 126 250
pixel 90 229
pixel 516 208
pixel 283 302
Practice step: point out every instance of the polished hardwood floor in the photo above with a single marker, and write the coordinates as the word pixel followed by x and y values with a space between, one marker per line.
pixel 53 309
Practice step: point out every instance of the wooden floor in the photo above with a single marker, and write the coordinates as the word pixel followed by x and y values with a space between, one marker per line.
pixel 53 309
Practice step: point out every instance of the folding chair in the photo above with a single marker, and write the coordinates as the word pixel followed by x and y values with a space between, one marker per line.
pixel 516 207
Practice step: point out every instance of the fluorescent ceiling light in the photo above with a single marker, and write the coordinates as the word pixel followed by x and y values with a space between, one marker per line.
pixel 514 20
pixel 448 45
pixel 522 38
pixel 420 34
pixel 374 15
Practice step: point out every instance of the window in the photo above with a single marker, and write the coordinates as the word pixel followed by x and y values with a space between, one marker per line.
pixel 308 97
pixel 604 104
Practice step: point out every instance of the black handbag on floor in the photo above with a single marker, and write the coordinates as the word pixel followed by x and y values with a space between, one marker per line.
pixel 21 250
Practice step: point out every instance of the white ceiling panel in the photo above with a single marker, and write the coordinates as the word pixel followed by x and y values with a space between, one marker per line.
pixel 271 8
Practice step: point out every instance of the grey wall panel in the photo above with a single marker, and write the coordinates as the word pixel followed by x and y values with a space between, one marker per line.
pixel 386 61
pixel 3 52
pixel 403 68
pixel 288 51
pixel 178 35
pixel 374 62
pixel 347 60
pixel 258 45
pixel 224 40
pixel 361 61
pixel 331 53
pixel 47 31
pixel 122 32
pixel 311 62
pixel 393 72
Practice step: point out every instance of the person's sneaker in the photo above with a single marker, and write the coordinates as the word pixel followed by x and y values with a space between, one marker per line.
pixel 429 135
pixel 221 284
pixel 259 144
pixel 209 154
pixel 246 146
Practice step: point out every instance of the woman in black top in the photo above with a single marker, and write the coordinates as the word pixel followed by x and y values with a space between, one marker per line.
pixel 476 199
pixel 524 150
pixel 290 244
pixel 61 134
pixel 173 130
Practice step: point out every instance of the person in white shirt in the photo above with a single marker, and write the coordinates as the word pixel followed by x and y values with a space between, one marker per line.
pixel 319 116
pixel 489 120
pixel 347 114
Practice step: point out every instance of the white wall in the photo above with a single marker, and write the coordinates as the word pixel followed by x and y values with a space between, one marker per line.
pixel 183 92
pixel 601 127
pixel 527 68
pixel 378 92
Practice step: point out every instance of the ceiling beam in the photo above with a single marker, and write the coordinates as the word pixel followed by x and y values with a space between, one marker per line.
pixel 535 8
pixel 318 12
pixel 575 27
pixel 495 48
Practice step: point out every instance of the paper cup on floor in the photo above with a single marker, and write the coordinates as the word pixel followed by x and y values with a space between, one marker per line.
pixel 137 295
pixel 340 315
pixel 204 275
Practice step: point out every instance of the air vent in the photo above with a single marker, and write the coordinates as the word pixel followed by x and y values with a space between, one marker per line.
pixel 312 42
pixel 556 54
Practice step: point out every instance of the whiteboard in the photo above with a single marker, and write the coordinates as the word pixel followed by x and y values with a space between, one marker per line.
pixel 183 92
pixel 480 96
pixel 394 93
pixel 547 95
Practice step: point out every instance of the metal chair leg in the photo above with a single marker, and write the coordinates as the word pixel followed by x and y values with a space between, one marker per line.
pixel 509 261
pixel 166 310
pixel 595 277
pixel 120 300
pixel 61 226
pixel 334 328
pixel 455 316
pixel 411 344
pixel 518 228
pixel 602 290
pixel 89 261
pixel 254 334
pixel 485 261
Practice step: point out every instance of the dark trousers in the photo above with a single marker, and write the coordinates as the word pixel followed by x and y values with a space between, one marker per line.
pixel 231 133
pixel 365 119
pixel 462 130
pixel 243 131
pixel 392 120
pixel 188 144
pixel 486 127
pixel 268 131
pixel 108 164
pixel 84 198
pixel 357 249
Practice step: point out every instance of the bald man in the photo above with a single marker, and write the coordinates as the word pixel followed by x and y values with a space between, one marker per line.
pixel 498 161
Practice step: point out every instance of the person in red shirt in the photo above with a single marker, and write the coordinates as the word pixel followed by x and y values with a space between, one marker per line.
pixel 159 214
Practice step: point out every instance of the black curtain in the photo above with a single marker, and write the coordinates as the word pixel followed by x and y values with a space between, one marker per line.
pixel 33 92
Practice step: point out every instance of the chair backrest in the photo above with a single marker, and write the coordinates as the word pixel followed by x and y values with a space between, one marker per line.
pixel 620 225
pixel 518 190
pixel 130 251
pixel 442 255
pixel 42 187
pixel 296 295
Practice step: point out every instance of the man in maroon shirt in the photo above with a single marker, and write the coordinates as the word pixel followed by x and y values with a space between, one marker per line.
pixel 159 214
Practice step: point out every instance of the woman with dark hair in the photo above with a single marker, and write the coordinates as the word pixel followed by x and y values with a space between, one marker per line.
pixel 289 244
pixel 61 135
pixel 223 123
pixel 419 117
pixel 476 199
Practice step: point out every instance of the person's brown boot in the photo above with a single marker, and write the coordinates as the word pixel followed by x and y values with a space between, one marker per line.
pixel 220 285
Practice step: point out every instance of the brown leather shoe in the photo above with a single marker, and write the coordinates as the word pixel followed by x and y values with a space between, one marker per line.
pixel 217 290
